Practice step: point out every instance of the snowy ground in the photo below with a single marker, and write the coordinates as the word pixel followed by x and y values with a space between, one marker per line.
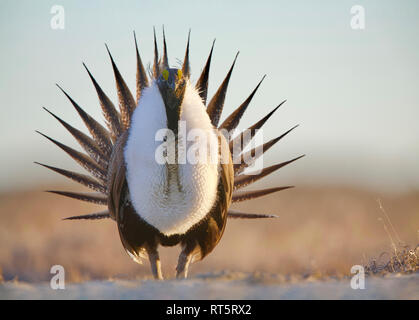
pixel 221 286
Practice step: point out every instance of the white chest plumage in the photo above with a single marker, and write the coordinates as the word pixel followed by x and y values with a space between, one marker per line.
pixel 172 207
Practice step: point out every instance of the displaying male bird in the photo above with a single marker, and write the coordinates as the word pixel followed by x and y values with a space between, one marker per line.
pixel 166 203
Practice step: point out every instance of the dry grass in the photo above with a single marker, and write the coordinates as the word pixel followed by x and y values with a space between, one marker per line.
pixel 321 231
pixel 403 260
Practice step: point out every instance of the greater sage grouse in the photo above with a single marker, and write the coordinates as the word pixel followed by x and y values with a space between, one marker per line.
pixel 160 199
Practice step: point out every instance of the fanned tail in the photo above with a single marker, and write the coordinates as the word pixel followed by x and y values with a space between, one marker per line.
pixel 98 147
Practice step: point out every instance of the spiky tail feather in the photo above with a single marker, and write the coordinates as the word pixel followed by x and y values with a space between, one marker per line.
pixel 244 215
pixel 93 216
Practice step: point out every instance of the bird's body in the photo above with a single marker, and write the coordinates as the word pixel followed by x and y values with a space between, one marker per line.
pixel 170 203
pixel 163 167
pixel 171 197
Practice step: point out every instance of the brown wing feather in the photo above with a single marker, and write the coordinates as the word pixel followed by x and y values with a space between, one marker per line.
pixel 134 232
pixel 116 176
pixel 204 237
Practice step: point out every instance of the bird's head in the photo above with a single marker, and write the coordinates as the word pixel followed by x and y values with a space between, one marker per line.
pixel 172 84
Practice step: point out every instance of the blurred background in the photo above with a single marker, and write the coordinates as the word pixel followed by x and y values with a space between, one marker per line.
pixel 353 92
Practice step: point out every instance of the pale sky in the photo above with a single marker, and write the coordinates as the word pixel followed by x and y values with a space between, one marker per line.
pixel 353 92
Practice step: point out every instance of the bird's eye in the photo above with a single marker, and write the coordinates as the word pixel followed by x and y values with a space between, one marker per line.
pixel 165 74
pixel 179 74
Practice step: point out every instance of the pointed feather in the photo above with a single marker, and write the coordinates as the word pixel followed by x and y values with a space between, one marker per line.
pixel 93 216
pixel 87 143
pixel 126 100
pixel 98 132
pixel 248 195
pixel 82 159
pixel 186 69
pixel 246 179
pixel 156 67
pixel 247 159
pixel 239 143
pixel 141 79
pixel 215 106
pixel 93 197
pixel 165 59
pixel 113 119
pixel 243 215
pixel 202 83
pixel 233 120
pixel 78 177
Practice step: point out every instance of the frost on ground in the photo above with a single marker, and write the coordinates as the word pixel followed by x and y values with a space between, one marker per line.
pixel 224 285
pixel 321 234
